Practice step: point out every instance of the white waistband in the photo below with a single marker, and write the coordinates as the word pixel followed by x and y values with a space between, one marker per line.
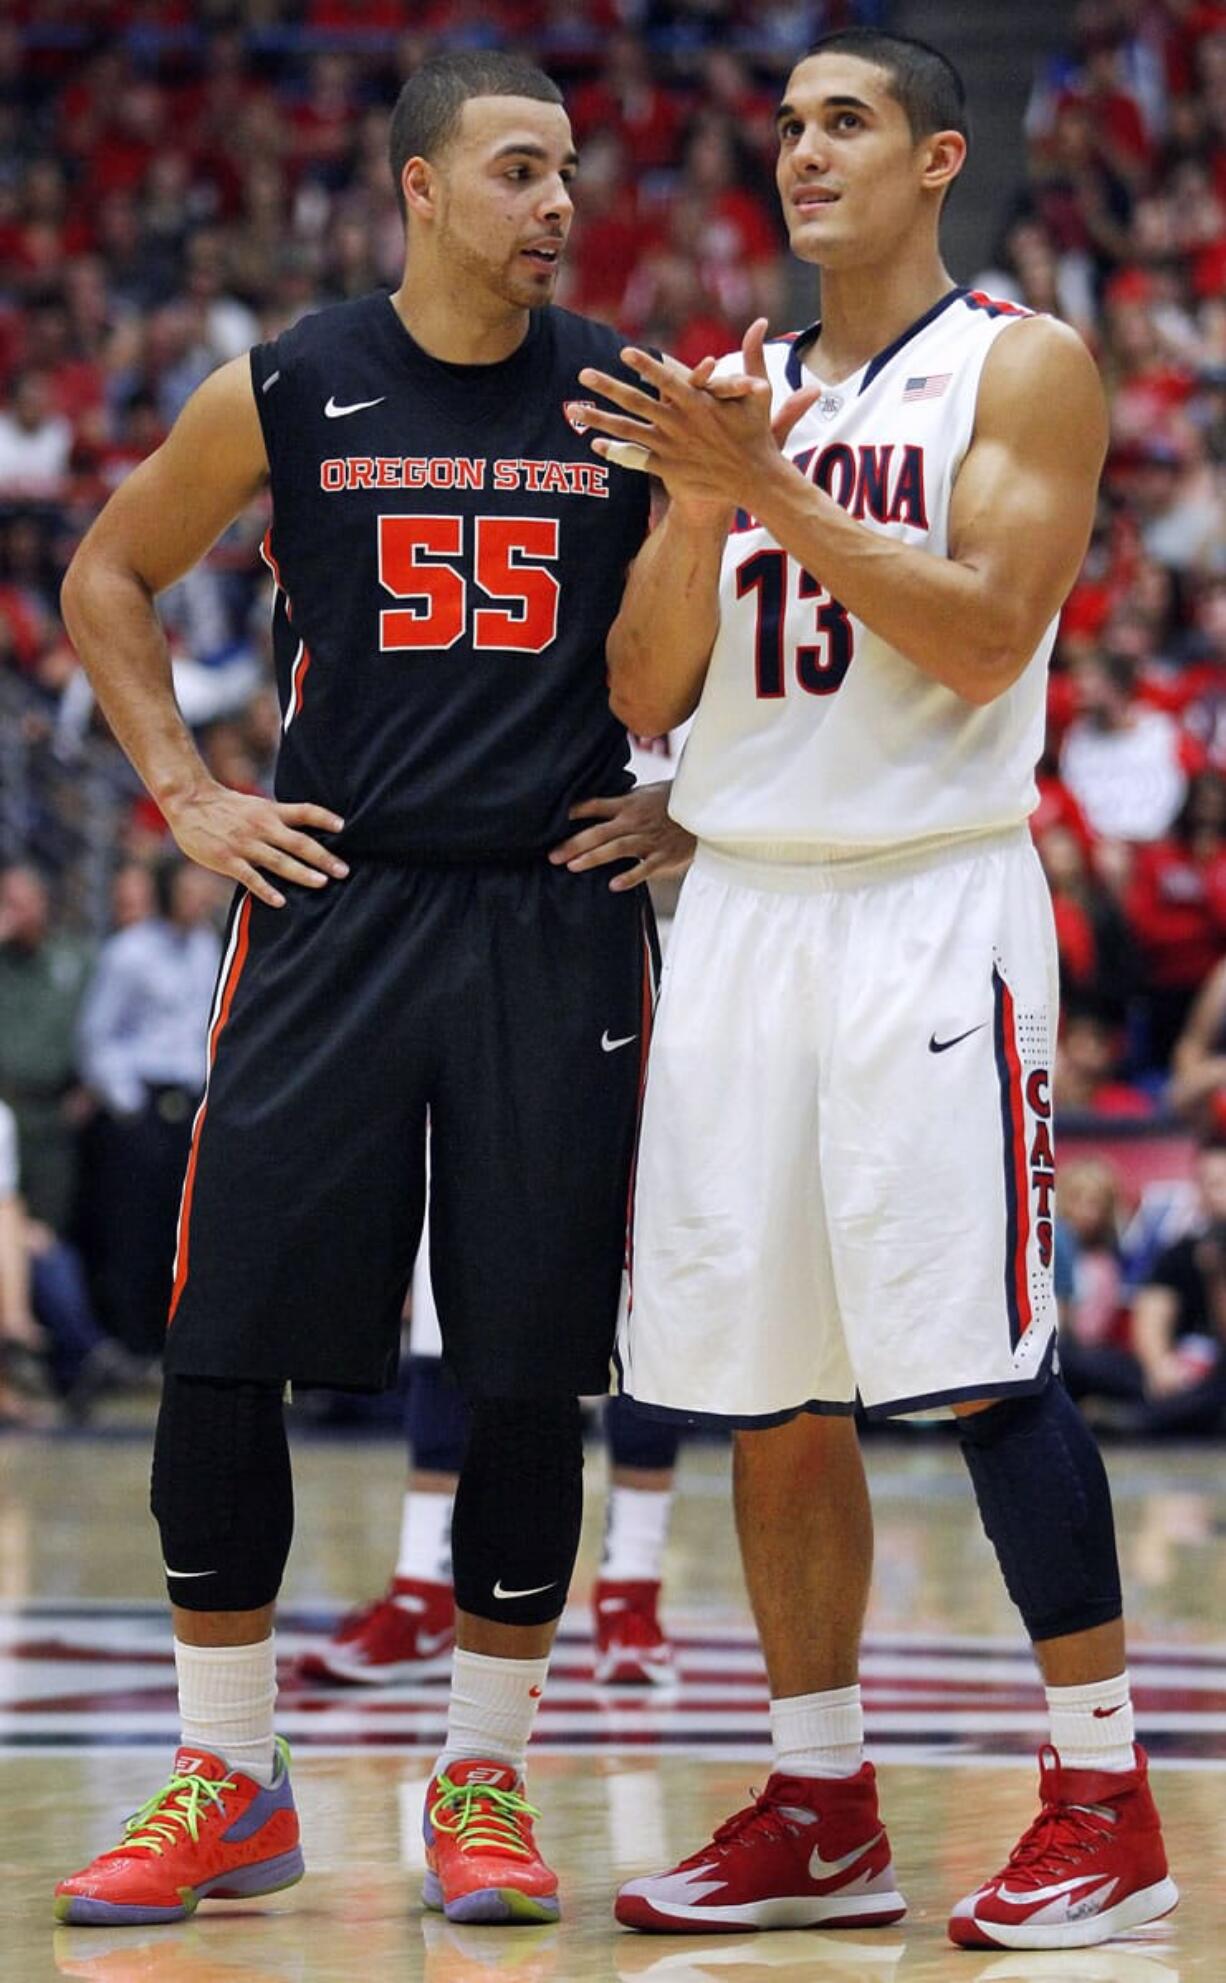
pixel 750 867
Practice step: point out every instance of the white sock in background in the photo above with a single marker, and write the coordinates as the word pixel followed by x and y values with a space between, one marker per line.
pixel 226 1699
pixel 1092 1726
pixel 819 1734
pixel 636 1528
pixel 425 1538
pixel 492 1708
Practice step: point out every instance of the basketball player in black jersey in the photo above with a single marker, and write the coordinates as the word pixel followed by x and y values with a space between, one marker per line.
pixel 448 558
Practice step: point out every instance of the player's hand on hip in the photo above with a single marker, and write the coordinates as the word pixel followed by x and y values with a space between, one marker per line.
pixel 632 827
pixel 250 839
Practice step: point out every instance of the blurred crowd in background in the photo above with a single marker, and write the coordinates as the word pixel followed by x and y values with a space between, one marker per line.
pixel 180 181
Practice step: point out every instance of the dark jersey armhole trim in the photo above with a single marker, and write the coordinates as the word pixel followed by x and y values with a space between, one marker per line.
pixel 259 388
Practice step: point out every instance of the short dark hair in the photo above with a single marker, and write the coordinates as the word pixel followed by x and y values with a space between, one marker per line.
pixel 922 80
pixel 427 113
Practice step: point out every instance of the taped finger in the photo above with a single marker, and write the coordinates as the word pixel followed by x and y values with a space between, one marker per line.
pixel 628 454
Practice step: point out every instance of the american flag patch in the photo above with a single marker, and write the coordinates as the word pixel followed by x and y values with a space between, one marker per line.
pixel 929 387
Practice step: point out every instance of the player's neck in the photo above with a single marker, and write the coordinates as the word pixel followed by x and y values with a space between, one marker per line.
pixel 458 330
pixel 864 310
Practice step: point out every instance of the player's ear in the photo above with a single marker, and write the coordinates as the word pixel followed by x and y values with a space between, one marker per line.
pixel 419 183
pixel 944 156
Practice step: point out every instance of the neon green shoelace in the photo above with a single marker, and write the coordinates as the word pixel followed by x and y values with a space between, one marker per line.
pixel 178 1803
pixel 481 1818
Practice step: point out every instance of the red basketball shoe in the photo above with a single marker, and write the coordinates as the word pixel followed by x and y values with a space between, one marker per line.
pixel 807 1853
pixel 631 1649
pixel 1091 1865
pixel 482 1863
pixel 208 1832
pixel 407 1634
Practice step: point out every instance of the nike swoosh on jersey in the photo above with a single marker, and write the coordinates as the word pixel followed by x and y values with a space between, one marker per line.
pixel 534 1592
pixel 828 1869
pixel 1035 1896
pixel 182 1574
pixel 610 1046
pixel 335 412
pixel 943 1046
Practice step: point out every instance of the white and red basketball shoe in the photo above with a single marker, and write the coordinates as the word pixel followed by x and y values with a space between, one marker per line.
pixel 631 1648
pixel 407 1634
pixel 1092 1864
pixel 807 1853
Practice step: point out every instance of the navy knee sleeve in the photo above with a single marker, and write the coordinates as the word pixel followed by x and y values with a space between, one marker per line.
pixel 637 1440
pixel 518 1510
pixel 222 1493
pixel 436 1417
pixel 1042 1491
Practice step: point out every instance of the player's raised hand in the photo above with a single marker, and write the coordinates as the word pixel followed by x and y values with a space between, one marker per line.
pixel 736 385
pixel 635 826
pixel 705 447
pixel 247 838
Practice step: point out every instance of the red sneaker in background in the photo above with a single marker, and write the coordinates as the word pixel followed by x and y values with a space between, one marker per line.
pixel 631 1649
pixel 407 1634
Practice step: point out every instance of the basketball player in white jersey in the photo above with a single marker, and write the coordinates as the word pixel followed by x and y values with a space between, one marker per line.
pixel 846 1173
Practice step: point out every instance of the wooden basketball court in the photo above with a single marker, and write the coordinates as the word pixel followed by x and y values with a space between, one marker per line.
pixel 626 1782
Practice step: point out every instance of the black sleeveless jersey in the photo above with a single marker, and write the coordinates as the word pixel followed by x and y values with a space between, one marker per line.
pixel 449 556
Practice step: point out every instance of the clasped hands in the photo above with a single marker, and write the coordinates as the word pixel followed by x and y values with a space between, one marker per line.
pixel 704 437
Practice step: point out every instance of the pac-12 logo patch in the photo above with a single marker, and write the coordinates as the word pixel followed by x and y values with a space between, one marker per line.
pixel 829 404
pixel 575 411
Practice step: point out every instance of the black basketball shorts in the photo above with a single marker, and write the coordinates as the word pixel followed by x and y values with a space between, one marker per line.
pixel 512 1005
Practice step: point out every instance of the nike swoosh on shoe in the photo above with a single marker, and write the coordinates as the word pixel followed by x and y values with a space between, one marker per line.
pixel 830 1869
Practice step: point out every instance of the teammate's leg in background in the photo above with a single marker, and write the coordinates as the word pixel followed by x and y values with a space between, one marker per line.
pixel 1093 1862
pixel 408 1633
pixel 811 1851
pixel 224 1824
pixel 631 1648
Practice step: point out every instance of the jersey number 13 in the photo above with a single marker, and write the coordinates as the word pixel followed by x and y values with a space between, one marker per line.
pixel 820 669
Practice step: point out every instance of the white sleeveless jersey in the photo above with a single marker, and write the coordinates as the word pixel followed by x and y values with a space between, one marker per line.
pixel 814 738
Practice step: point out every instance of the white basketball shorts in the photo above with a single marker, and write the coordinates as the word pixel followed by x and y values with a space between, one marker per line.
pixel 845 1173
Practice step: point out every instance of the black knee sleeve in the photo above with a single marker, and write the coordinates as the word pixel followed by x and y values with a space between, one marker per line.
pixel 222 1494
pixel 436 1417
pixel 518 1510
pixel 638 1440
pixel 1046 1506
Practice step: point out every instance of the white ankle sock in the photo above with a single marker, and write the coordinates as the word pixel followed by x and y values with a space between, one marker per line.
pixel 226 1699
pixel 492 1708
pixel 819 1734
pixel 425 1538
pixel 636 1527
pixel 1091 1726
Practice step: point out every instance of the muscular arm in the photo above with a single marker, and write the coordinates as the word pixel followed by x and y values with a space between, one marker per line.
pixel 1020 517
pixel 156 526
